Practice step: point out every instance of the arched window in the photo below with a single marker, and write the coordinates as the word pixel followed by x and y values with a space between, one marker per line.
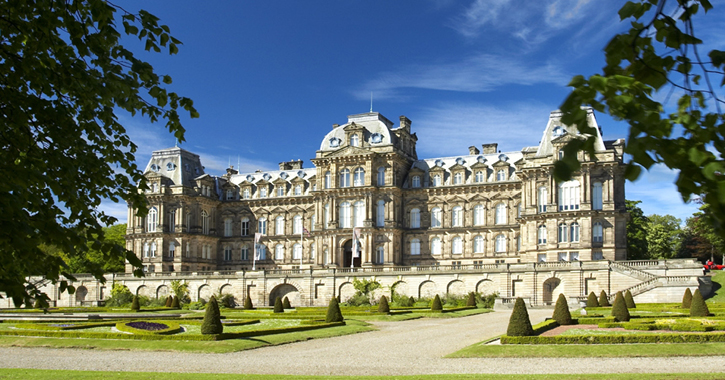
pixel 380 255
pixel 345 178
pixel 563 233
pixel 435 246
pixel 457 246
pixel 381 176
pixel 245 226
pixel 245 252
pixel 501 214
pixel 359 179
pixel 296 251
pixel 228 227
pixel 279 225
pixel 478 244
pixel 478 215
pixel 313 251
pixel 457 217
pixel 597 232
pixel 263 192
pixel 437 180
pixel 435 217
pixel 345 221
pixel 500 243
pixel 597 196
pixel 279 252
pixel 326 215
pixel 543 198
pixel 380 215
pixel 297 225
pixel 358 211
pixel 415 247
pixel 569 195
pixel 416 181
pixel 415 218
pixel 479 176
pixel 326 257
pixel 354 140
pixel 262 226
pixel 501 175
pixel 458 179
pixel 205 223
pixel 328 180
pixel 280 191
pixel 574 232
pixel 152 220
pixel 245 194
pixel 542 234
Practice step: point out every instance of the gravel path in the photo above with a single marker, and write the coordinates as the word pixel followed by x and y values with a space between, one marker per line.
pixel 397 348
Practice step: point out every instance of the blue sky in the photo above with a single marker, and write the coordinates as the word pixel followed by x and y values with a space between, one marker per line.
pixel 269 78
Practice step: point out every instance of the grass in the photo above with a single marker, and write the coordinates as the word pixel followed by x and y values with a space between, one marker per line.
pixel 595 350
pixel 32 374
pixel 718 281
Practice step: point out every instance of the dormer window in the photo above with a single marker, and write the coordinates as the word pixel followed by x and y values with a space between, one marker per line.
pixel 170 166
pixel 280 191
pixel 354 140
pixel 186 167
pixel 301 174
pixel 458 179
pixel 334 142
pixel 298 190
pixel 439 163
pixel 416 181
pixel 558 131
pixel 501 175
pixel 250 178
pixel 263 192
pixel 481 159
pixel 267 176
pixel 376 138
pixel 196 170
pixel 283 175
pixel 230 194
pixel 154 168
pixel 245 194
pixel 459 161
pixel 503 157
pixel 437 180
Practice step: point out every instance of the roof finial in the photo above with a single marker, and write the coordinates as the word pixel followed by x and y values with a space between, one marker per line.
pixel 176 144
pixel 371 101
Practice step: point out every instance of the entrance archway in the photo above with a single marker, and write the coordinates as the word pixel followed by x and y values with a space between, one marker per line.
pixel 549 289
pixel 285 290
pixel 347 256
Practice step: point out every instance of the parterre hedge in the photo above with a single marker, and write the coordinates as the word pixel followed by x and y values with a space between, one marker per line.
pixel 615 339
pixel 172 328
pixel 62 326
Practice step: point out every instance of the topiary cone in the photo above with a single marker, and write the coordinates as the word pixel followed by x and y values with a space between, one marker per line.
pixel 212 323
pixel 698 308
pixel 168 302
pixel 412 300
pixel 471 299
pixel 333 312
pixel 592 300
pixel 383 306
pixel 248 303
pixel 134 304
pixel 519 323
pixel 562 316
pixel 629 300
pixel 619 308
pixel 278 307
pixel 286 304
pixel 436 306
pixel 603 300
pixel 175 304
pixel 687 299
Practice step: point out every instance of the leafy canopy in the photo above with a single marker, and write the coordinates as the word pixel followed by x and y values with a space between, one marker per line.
pixel 64 79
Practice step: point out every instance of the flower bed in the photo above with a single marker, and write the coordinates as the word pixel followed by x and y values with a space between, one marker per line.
pixel 145 327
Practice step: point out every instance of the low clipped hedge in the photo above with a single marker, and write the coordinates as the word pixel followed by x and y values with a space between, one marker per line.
pixel 545 326
pixel 172 328
pixel 592 321
pixel 61 326
pixel 693 326
pixel 616 339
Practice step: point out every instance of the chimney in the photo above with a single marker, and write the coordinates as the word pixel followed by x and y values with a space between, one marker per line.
pixel 490 148
pixel 290 165
pixel 231 171
pixel 472 150
pixel 335 126
pixel 405 123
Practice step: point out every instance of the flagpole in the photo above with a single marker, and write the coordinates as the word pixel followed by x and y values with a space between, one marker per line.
pixel 302 250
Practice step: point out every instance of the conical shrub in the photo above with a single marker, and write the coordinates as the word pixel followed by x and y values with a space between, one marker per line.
pixel 175 304
pixel 603 300
pixel 168 301
pixel 562 316
pixel 436 306
pixel 135 305
pixel 698 308
pixel 687 299
pixel 286 304
pixel 278 307
pixel 471 299
pixel 592 300
pixel 519 323
pixel 629 300
pixel 383 306
pixel 212 323
pixel 619 308
pixel 411 300
pixel 333 311
pixel 248 303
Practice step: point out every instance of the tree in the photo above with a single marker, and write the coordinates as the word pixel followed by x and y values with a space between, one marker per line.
pixel 180 290
pixel 519 322
pixel 333 311
pixel 663 236
pixel 658 81
pixel 700 239
pixel 383 306
pixel 619 308
pixel 93 260
pixel 562 316
pixel 636 233
pixel 212 322
pixel 65 79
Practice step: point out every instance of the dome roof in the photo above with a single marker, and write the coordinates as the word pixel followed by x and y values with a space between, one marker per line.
pixel 377 132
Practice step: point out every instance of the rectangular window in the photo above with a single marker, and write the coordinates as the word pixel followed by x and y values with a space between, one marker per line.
pixel 541 257
pixel 573 256
pixel 597 255
pixel 563 256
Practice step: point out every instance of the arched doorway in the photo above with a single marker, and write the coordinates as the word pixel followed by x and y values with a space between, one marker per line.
pixel 549 289
pixel 285 290
pixel 81 293
pixel 347 256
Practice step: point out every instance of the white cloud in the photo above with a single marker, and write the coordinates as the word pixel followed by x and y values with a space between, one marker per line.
pixel 117 210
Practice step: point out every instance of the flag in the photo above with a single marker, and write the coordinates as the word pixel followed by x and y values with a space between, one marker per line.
pixel 356 246
pixel 304 230
pixel 257 249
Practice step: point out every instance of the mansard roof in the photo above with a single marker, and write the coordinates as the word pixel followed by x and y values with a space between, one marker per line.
pixel 273 175
pixel 555 129
pixel 180 166
pixel 376 132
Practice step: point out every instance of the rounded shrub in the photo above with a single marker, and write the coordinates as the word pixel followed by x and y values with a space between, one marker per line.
pixel 175 304
pixel 471 299
pixel 603 300
pixel 333 311
pixel 278 307
pixel 592 300
pixel 687 299
pixel 383 306
pixel 519 323
pixel 212 323
pixel 698 308
pixel 248 303
pixel 286 304
pixel 619 308
pixel 134 304
pixel 562 316
pixel 436 306
pixel 629 300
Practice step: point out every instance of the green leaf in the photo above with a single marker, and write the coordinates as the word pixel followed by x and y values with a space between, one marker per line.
pixel 632 171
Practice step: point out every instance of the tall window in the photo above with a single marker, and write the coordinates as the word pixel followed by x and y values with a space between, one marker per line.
pixel 380 217
pixel 479 176
pixel 172 221
pixel 597 196
pixel 543 198
pixel 478 244
pixel 416 181
pixel 145 249
pixel 569 195
pixel 415 218
pixel 457 246
pixel 435 246
pixel 297 225
pixel 381 176
pixel 574 232
pixel 279 252
pixel 297 251
pixel 262 226
pixel 228 227
pixel 245 253
pixel 345 214
pixel 359 177
pixel 518 243
pixel 313 220
pixel 245 226
pixel 519 208
pixel 563 233
pixel 325 256
pixel 280 191
pixel 279 225
pixel 345 178
pixel 152 220
pixel 542 234
pixel 380 255
pixel 325 215
pixel 205 223
pixel 262 252
pixel 597 232
pixel 458 179
pixel 354 140
pixel 245 194
pixel 298 189
pixel 153 249
pixel 501 214
pixel 263 192
pixel 415 247
pixel 313 251
pixel 328 180
pixel 500 243
pixel 478 215
pixel 227 253
pixel 230 194
pixel 457 217
pixel 501 175
pixel 437 180
pixel 172 249
pixel 435 217
pixel 358 211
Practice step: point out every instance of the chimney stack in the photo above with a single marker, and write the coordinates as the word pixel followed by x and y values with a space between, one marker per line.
pixel 472 150
pixel 490 148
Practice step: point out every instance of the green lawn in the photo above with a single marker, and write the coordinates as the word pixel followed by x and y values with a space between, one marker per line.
pixel 28 374
pixel 719 286
pixel 594 350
